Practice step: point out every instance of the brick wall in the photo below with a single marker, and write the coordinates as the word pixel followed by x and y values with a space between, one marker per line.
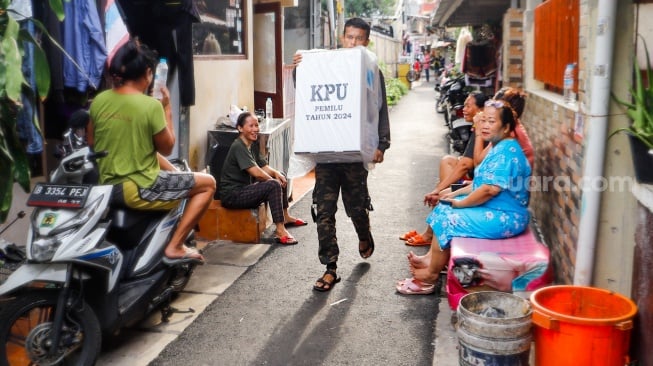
pixel 555 201
pixel 513 50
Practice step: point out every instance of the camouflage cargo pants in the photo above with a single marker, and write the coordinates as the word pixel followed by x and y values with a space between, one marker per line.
pixel 330 179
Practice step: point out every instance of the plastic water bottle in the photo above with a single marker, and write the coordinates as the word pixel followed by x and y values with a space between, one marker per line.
pixel 268 109
pixel 160 78
pixel 568 84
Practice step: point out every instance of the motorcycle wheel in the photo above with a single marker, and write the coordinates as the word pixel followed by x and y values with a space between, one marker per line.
pixel 182 273
pixel 25 325
pixel 441 106
pixel 412 76
pixel 181 276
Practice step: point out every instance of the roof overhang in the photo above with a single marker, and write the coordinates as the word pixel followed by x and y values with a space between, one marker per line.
pixel 458 13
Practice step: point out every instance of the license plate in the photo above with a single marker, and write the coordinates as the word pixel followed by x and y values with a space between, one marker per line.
pixel 59 195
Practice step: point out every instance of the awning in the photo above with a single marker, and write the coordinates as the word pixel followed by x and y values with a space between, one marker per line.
pixel 457 13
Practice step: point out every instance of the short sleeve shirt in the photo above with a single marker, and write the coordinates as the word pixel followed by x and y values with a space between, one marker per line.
pixel 469 152
pixel 124 125
pixel 234 171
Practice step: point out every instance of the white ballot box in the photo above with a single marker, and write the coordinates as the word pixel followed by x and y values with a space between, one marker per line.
pixel 337 103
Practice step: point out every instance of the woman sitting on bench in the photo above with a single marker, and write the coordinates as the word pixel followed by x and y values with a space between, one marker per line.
pixel 494 206
pixel 247 180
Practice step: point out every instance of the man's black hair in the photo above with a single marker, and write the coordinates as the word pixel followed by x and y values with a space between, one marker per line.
pixel 479 98
pixel 360 24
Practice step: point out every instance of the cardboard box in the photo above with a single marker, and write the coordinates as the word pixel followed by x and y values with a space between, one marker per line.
pixel 337 103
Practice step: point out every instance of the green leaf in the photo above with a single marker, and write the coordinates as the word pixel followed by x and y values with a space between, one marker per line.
pixel 640 111
pixel 6 189
pixel 57 8
pixel 13 61
pixel 41 73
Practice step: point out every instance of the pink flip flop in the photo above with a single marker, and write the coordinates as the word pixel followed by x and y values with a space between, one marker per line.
pixel 411 286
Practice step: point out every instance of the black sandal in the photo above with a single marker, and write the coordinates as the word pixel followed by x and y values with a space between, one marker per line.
pixel 369 248
pixel 326 285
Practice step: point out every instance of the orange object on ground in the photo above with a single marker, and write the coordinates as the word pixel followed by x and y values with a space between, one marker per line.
pixel 408 235
pixel 577 325
pixel 417 241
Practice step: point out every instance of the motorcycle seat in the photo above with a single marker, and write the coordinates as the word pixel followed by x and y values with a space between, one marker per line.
pixel 129 227
pixel 460 123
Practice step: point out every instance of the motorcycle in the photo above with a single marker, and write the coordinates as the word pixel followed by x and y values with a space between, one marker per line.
pixel 91 270
pixel 459 129
pixel 449 94
pixel 440 89
pixel 459 135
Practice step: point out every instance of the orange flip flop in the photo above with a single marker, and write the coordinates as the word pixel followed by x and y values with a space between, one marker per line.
pixel 408 235
pixel 417 241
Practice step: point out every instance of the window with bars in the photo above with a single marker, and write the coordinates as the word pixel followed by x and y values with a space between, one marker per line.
pixel 556 41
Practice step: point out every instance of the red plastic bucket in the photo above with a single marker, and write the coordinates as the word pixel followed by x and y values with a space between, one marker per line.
pixel 575 325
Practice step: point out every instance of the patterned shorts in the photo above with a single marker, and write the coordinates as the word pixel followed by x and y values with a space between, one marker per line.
pixel 166 192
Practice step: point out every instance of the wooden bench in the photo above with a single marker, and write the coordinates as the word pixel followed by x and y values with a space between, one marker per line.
pixel 237 225
pixel 520 265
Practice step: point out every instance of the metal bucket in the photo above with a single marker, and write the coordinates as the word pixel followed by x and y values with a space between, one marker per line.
pixel 494 328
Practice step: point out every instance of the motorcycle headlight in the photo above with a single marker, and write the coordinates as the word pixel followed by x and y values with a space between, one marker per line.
pixel 44 247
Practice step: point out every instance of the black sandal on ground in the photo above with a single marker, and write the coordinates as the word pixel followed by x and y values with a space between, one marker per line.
pixel 326 285
pixel 369 248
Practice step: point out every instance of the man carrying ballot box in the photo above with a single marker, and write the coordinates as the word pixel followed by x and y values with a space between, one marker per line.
pixel 348 177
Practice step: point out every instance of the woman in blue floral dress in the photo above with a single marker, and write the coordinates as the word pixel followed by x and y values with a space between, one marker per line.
pixel 494 206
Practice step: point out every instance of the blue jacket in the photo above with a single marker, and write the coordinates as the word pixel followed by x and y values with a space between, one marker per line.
pixel 84 41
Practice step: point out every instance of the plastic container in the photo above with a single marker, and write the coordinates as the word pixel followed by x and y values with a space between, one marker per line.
pixel 577 325
pixel 568 84
pixel 160 78
pixel 268 109
pixel 494 328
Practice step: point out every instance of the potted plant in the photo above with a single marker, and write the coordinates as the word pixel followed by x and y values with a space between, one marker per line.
pixel 640 113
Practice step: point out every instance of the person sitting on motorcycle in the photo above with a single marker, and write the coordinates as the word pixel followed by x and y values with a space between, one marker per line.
pixel 247 180
pixel 452 170
pixel 137 132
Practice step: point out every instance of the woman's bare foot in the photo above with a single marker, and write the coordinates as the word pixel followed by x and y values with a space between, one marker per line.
pixel 182 252
pixel 424 275
pixel 427 235
pixel 416 261
pixel 282 232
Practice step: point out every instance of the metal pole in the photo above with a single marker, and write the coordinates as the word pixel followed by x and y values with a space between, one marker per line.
pixel 332 24
pixel 184 132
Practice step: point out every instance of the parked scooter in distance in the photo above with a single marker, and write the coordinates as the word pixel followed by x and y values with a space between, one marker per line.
pixel 459 129
pixel 91 270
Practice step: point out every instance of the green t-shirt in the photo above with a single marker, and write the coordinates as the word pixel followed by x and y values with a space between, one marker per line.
pixel 125 125
pixel 234 171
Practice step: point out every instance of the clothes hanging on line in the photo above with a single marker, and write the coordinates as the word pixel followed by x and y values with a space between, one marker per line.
pixel 84 41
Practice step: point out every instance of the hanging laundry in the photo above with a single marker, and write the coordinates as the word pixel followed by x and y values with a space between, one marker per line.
pixel 115 29
pixel 464 38
pixel 27 118
pixel 84 42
